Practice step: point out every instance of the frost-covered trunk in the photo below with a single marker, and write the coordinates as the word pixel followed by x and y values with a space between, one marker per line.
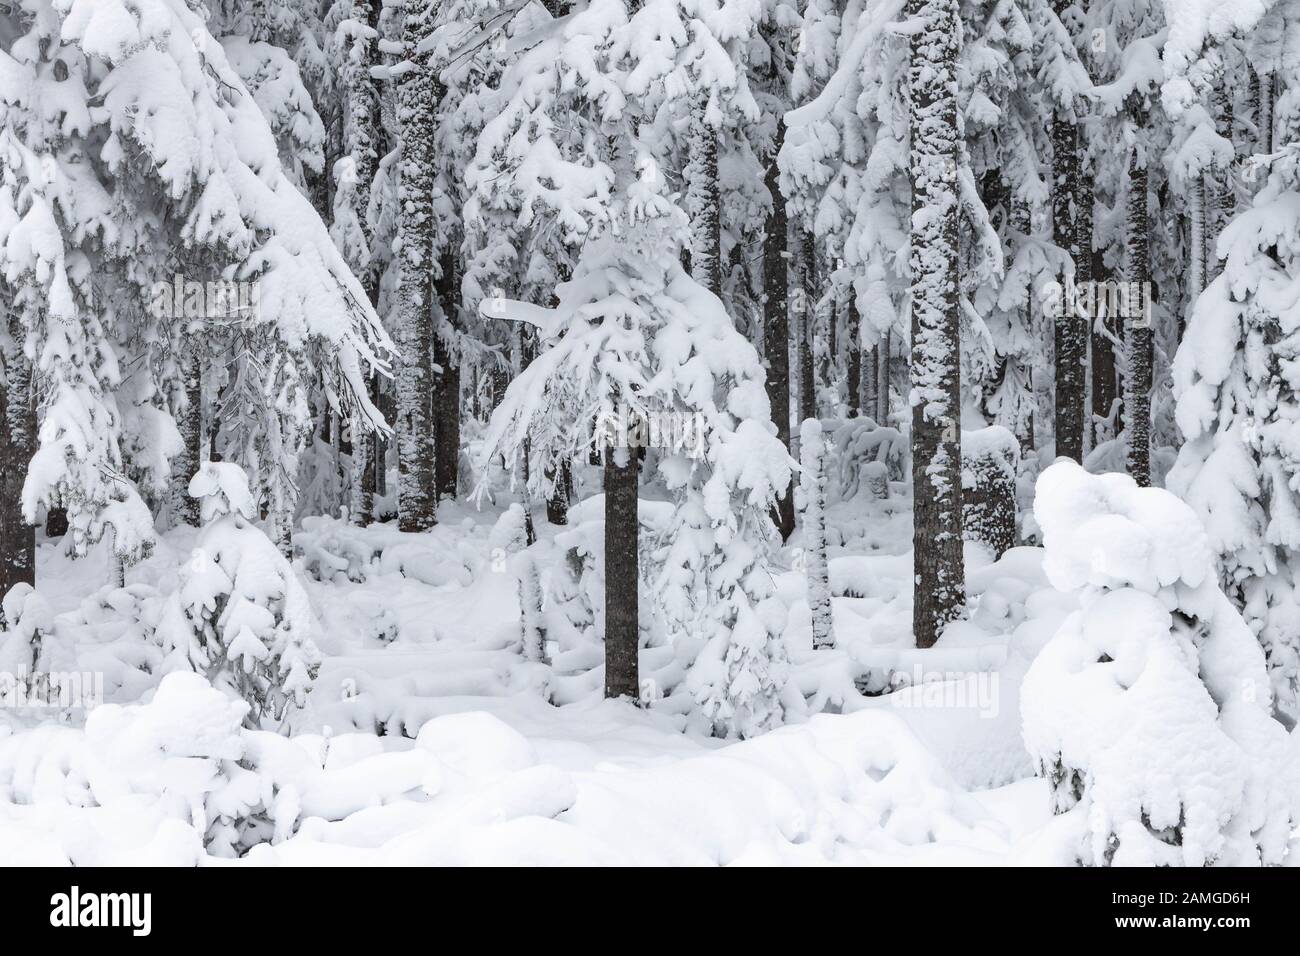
pixel 703 200
pixel 776 324
pixel 806 316
pixel 1137 380
pixel 881 354
pixel 1105 384
pixel 17 445
pixel 361 136
pixel 622 630
pixel 1070 329
pixel 1083 276
pixel 533 620
pixel 853 362
pixel 812 450
pixel 185 510
pixel 417 102
pixel 446 392
pixel 1263 97
pixel 1196 243
pixel 1224 199
pixel 936 366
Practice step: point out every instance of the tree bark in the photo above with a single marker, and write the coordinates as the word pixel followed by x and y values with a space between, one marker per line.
pixel 1069 327
pixel 704 201
pixel 807 330
pixel 418 94
pixel 622 624
pixel 17 446
pixel 185 510
pixel 855 369
pixel 776 324
pixel 446 394
pixel 56 522
pixel 1137 381
pixel 939 577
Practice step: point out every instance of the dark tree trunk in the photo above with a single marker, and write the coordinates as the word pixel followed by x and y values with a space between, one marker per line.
pixel 776 325
pixel 1069 327
pixel 622 624
pixel 446 393
pixel 853 345
pixel 56 522
pixel 704 202
pixel 185 510
pixel 1105 384
pixel 17 445
pixel 557 505
pixel 939 576
pixel 1137 383
pixel 418 92
pixel 1263 94
pixel 807 332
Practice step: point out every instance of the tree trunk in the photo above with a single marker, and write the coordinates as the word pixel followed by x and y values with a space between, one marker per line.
pixel 1264 111
pixel 703 201
pixel 812 449
pixel 776 325
pixel 418 94
pixel 1069 326
pixel 185 510
pixel 622 624
pixel 362 134
pixel 446 395
pixel 882 378
pixel 557 505
pixel 17 445
pixel 1224 199
pixel 939 577
pixel 807 318
pixel 854 367
pixel 56 522
pixel 1198 246
pixel 1137 381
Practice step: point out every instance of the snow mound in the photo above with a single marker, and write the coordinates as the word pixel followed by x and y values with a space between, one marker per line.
pixel 1149 710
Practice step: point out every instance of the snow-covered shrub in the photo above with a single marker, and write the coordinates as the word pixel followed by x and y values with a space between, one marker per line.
pixel 531 607
pixel 332 549
pixel 861 447
pixel 509 535
pixel 1149 710
pixel 990 465
pixel 239 615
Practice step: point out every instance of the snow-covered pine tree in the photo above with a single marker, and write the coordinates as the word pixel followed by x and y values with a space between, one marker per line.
pixel 812 451
pixel 635 340
pixel 240 616
pixel 108 241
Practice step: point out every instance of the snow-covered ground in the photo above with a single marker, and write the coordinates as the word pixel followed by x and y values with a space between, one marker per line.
pixel 428 738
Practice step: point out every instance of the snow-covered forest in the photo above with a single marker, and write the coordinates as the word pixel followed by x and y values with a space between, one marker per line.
pixel 650 432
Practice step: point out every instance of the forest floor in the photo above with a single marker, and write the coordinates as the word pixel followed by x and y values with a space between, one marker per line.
pixel 429 739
